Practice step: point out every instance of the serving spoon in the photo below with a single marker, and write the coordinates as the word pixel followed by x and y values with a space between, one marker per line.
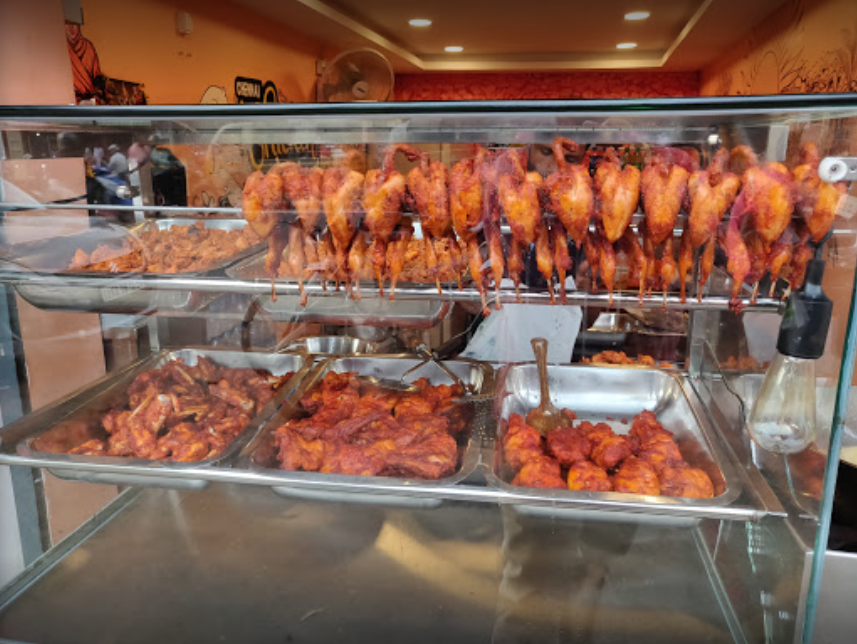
pixel 545 417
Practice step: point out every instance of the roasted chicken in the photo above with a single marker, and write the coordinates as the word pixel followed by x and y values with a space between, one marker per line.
pixel 383 198
pixel 816 200
pixel 465 205
pixel 342 190
pixel 569 190
pixel 617 192
pixel 428 185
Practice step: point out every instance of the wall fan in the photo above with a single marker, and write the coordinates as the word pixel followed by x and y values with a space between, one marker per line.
pixel 355 75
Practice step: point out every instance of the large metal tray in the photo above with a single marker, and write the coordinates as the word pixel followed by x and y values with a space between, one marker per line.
pixel 370 310
pixel 260 455
pixel 77 418
pixel 606 393
pixel 108 293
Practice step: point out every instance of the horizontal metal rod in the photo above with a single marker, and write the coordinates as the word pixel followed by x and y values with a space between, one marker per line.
pixel 187 210
pixel 262 287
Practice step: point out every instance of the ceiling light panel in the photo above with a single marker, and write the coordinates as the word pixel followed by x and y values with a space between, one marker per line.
pixel 637 15
pixel 626 45
pixel 454 49
pixel 419 22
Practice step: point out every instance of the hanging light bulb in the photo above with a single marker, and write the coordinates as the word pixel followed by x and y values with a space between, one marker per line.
pixel 782 419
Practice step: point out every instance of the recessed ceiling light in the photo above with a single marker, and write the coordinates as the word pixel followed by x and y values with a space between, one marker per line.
pixel 453 49
pixel 419 22
pixel 626 45
pixel 637 15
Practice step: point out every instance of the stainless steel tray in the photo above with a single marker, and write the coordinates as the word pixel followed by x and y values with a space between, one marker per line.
pixel 77 418
pixel 108 293
pixel 370 310
pixel 260 455
pixel 611 394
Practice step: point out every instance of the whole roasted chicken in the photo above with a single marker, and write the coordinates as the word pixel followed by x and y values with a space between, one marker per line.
pixel 465 205
pixel 816 200
pixel 428 185
pixel 383 198
pixel 342 190
pixel 617 192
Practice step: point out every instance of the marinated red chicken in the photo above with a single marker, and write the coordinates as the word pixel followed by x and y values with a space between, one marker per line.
pixel 184 413
pixel 355 428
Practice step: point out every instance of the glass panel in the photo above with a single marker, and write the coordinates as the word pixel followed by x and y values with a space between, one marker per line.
pixel 276 238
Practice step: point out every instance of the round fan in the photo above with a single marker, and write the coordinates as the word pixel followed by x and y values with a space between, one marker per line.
pixel 356 75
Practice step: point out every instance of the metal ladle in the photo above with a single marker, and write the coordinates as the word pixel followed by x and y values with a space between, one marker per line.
pixel 545 417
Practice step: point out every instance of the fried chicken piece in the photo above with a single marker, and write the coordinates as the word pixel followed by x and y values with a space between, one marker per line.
pixel 585 475
pixel 93 447
pixel 383 198
pixel 663 184
pixel 356 460
pixel 570 192
pixel 521 443
pixel 816 200
pixel 434 456
pixel 609 451
pixel 646 428
pixel 296 452
pixel 341 193
pixel 686 482
pixel 617 192
pixel 636 476
pixel 568 445
pixel 542 472
pixel 661 452
pixel 185 444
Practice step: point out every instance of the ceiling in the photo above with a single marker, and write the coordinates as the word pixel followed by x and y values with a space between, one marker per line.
pixel 500 35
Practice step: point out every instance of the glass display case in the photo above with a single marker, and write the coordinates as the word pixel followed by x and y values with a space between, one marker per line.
pixel 528 371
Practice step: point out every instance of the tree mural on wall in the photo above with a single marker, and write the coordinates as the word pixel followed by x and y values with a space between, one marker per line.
pixel 781 64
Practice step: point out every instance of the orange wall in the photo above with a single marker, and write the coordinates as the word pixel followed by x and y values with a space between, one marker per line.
pixel 138 41
pixel 806 46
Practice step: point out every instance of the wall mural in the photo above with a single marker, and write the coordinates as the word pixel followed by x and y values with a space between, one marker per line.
pixel 91 86
pixel 807 47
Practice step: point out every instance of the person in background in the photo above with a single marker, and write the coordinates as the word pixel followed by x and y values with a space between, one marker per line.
pixel 118 162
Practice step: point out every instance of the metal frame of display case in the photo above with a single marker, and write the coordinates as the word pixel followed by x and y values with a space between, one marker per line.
pixel 758 503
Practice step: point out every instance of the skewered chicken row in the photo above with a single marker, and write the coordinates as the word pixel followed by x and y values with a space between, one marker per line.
pixel 759 237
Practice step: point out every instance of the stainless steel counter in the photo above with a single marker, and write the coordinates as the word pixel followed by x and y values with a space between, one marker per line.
pixel 236 563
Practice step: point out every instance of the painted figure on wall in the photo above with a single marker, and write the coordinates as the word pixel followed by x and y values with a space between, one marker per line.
pixel 88 79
